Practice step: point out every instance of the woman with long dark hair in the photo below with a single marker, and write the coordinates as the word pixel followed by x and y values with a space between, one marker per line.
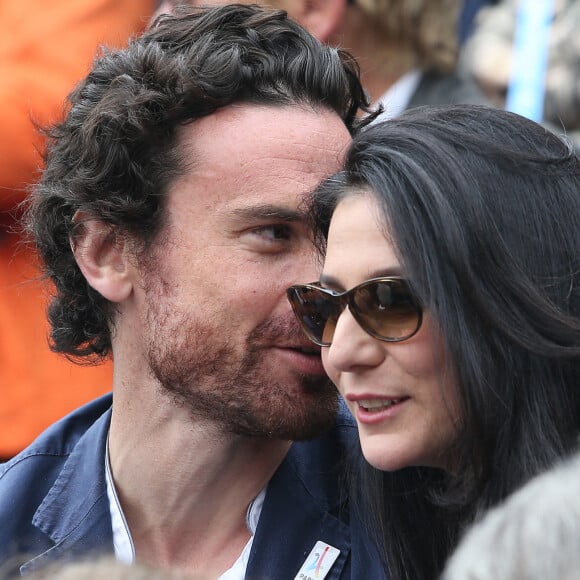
pixel 448 312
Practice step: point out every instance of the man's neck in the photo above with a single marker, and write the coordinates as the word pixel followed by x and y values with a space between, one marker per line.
pixel 185 486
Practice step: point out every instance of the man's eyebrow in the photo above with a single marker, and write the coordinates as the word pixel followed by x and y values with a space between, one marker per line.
pixel 268 211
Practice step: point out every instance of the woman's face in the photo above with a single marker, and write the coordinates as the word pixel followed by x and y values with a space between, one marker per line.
pixel 404 404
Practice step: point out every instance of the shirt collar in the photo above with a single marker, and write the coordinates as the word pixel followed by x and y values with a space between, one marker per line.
pixel 123 543
pixel 398 96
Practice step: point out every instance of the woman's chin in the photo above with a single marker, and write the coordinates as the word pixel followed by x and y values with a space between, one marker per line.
pixel 384 457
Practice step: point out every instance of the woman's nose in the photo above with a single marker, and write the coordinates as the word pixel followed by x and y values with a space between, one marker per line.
pixel 352 346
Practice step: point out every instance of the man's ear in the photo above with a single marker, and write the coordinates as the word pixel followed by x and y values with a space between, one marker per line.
pixel 322 18
pixel 102 257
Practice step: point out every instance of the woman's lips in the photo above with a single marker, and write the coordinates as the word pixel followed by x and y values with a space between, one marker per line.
pixel 371 410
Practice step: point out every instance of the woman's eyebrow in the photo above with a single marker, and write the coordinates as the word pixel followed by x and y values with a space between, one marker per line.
pixel 333 281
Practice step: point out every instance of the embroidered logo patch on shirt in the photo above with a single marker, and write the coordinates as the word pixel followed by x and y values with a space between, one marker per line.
pixel 319 562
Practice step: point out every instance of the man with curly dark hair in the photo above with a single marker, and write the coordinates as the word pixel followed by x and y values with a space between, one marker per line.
pixel 170 219
pixel 407 49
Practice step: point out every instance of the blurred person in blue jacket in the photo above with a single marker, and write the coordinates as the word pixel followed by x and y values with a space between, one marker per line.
pixel 488 58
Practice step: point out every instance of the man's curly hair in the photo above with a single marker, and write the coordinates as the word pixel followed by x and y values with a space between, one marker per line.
pixel 116 151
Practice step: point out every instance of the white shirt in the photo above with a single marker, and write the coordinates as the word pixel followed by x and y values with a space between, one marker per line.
pixel 123 543
pixel 397 98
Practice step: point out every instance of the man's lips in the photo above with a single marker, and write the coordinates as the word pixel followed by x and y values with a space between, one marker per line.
pixel 303 358
pixel 305 347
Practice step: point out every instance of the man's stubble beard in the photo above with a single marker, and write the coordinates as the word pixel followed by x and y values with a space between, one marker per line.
pixel 200 370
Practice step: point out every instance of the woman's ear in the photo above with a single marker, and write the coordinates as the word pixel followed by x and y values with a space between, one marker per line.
pixel 102 257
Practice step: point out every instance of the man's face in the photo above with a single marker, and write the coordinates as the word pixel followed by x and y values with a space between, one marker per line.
pixel 219 335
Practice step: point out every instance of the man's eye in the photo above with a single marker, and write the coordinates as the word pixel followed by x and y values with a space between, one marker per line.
pixel 274 232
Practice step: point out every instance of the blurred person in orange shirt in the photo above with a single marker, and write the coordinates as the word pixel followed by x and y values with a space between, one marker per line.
pixel 44 50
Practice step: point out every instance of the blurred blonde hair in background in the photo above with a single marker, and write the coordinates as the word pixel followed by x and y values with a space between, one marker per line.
pixel 428 28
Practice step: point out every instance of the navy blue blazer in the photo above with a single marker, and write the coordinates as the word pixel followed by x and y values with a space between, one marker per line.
pixel 54 505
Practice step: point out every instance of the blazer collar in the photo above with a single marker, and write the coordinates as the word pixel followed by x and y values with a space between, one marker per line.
pixel 75 513
pixel 304 504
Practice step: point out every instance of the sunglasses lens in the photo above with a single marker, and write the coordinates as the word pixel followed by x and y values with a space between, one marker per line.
pixel 316 313
pixel 386 309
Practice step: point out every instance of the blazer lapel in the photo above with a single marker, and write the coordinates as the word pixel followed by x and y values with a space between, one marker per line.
pixel 303 506
pixel 75 515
